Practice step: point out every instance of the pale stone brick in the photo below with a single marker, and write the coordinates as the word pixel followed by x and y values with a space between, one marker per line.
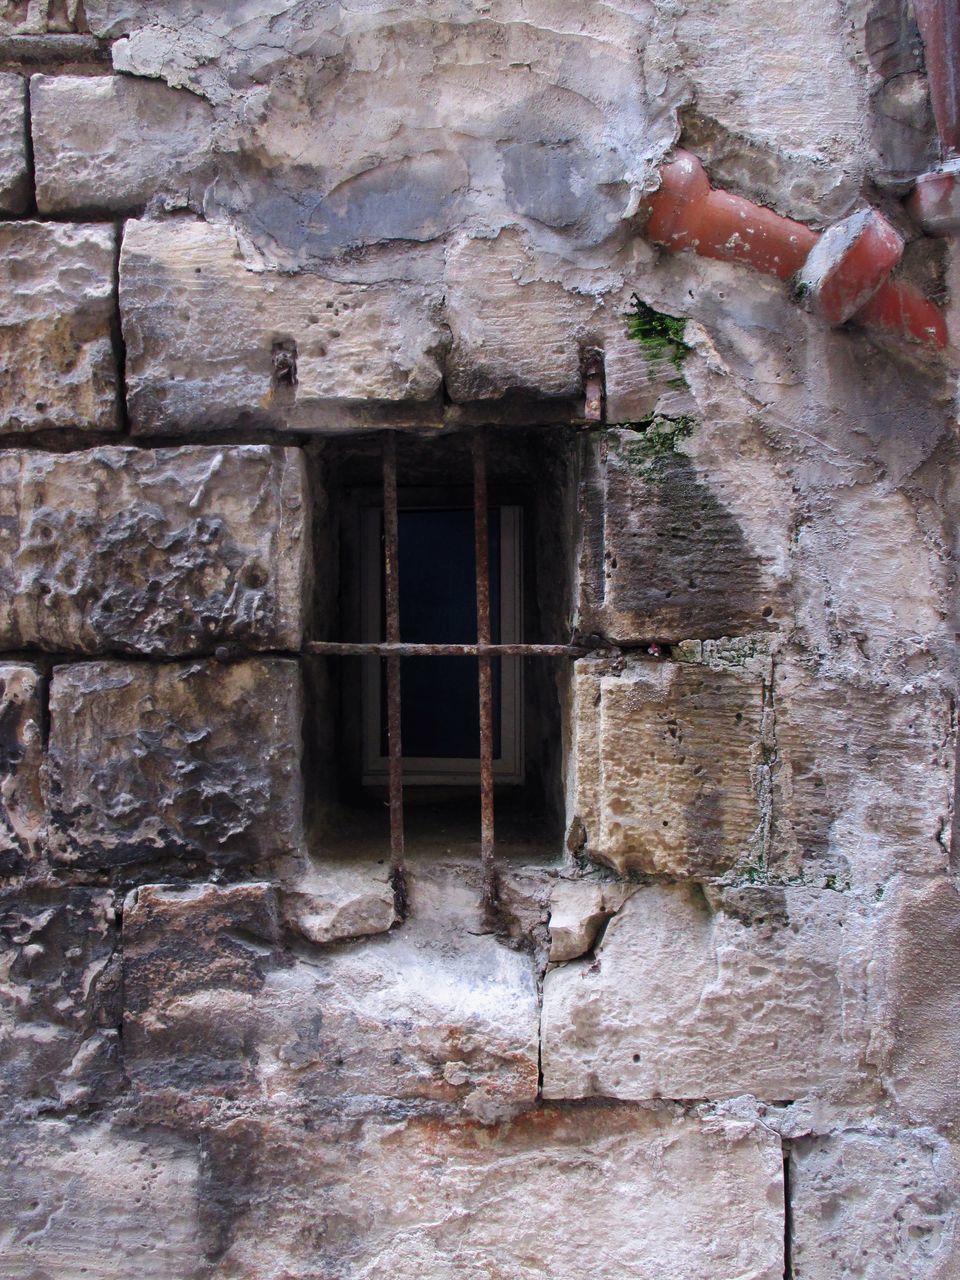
pixel 84 1198
pixel 113 143
pixel 668 766
pixel 874 1202
pixel 186 761
pixel 21 755
pixel 165 551
pixel 15 187
pixel 695 994
pixel 56 349
pixel 610 1191
pixel 202 329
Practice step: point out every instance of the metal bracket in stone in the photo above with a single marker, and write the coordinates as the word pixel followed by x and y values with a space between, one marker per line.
pixel 845 273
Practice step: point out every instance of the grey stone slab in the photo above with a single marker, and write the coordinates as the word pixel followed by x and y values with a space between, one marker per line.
pixel 195 761
pixel 16 188
pixel 203 327
pixel 21 757
pixel 56 349
pixel 163 552
pixel 113 143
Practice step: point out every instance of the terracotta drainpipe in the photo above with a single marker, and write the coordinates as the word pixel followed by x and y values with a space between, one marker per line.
pixel 935 200
pixel 847 275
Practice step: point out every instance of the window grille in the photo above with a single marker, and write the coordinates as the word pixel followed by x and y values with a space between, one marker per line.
pixel 393 650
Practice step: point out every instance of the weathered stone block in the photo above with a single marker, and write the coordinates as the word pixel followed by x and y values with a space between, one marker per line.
pixel 59 995
pixel 56 349
pixel 165 551
pixel 875 1203
pixel 21 755
pixel 186 760
pixel 611 1191
pixel 212 342
pixel 114 142
pixel 668 766
pixel 918 1013
pixel 510 337
pixel 577 910
pixel 714 994
pixel 436 1011
pixel 14 172
pixel 863 783
pixel 332 901
pixel 667 553
pixel 81 1200
pixel 193 963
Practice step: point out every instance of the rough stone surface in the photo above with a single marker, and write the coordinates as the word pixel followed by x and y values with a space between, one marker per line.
pixel 58 362
pixel 680 546
pixel 333 901
pixel 202 327
pixel 21 755
pixel 875 1203
pixel 636 1192
pixel 578 909
pixel 163 552
pixel 201 762
pixel 443 1014
pixel 920 1010
pixel 59 997
pixel 863 783
pixel 651 790
pixel 694 994
pixel 114 143
pixel 15 187
pixel 80 1200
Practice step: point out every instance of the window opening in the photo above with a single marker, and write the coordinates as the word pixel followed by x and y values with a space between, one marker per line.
pixel 497 628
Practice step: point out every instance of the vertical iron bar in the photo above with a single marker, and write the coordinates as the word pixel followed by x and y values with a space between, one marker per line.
pixel 391 549
pixel 482 552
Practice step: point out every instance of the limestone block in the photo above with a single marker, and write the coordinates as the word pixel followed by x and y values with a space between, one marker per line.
pixel 193 963
pixel 877 1203
pixel 437 1010
pixel 15 187
pixel 578 908
pixel 668 766
pixel 79 1200
pixel 112 143
pixel 21 755
pixel 863 784
pixel 332 901
pixel 510 335
pixel 59 995
pixel 57 352
pixel 672 547
pixel 609 1191
pixel 165 551
pixel 919 1012
pixel 190 760
pixel 696 994
pixel 212 342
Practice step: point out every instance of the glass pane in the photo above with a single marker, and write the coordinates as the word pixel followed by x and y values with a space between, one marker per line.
pixel 440 716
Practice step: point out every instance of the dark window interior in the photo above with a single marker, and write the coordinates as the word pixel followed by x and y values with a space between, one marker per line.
pixel 533 470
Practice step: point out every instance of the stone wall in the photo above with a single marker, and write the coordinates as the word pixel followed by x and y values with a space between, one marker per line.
pixel 715 1032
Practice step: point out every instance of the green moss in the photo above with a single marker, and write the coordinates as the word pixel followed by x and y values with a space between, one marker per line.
pixel 661 336
pixel 657 438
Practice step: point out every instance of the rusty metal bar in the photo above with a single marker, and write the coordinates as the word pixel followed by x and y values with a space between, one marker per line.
pixel 484 663
pixel 391 567
pixel 336 648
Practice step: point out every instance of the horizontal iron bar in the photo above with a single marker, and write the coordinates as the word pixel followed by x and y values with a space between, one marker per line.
pixel 400 650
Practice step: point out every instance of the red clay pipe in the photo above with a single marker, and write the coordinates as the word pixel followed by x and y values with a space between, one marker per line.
pixel 902 308
pixel 939 23
pixel 849 263
pixel 687 213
